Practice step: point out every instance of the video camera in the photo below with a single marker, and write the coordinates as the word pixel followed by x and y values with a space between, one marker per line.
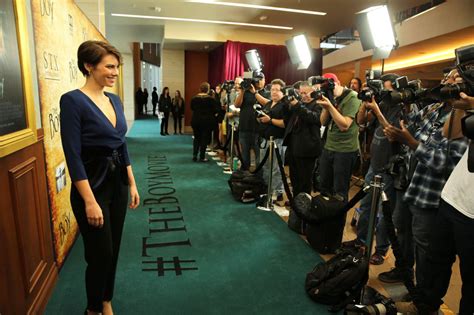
pixel 251 78
pixel 326 87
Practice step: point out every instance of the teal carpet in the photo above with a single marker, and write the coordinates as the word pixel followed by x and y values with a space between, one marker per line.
pixel 213 255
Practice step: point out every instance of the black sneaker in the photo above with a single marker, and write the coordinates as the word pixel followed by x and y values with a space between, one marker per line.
pixel 355 243
pixel 392 276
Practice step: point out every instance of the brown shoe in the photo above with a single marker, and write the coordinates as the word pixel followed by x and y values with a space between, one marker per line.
pixel 406 308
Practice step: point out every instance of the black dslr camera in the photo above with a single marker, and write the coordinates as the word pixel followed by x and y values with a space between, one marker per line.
pixel 251 78
pixel 228 85
pixel 291 93
pixel 407 92
pixel 259 110
pixel 326 87
pixel 374 87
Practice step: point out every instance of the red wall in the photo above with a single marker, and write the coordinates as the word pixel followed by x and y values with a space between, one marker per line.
pixel 195 72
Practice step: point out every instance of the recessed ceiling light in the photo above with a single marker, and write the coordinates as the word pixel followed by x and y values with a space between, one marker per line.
pixel 200 21
pixel 255 6
pixel 262 17
pixel 206 46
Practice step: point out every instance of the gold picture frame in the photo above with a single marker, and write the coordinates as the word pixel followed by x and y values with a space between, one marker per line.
pixel 17 140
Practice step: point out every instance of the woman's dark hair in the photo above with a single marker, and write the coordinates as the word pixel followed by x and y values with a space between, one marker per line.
pixel 204 87
pixel 164 89
pixel 92 51
pixel 179 93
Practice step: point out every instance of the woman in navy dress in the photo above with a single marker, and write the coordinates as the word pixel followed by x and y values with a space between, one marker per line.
pixel 93 131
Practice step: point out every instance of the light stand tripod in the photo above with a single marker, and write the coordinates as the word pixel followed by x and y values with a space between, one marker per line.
pixel 377 193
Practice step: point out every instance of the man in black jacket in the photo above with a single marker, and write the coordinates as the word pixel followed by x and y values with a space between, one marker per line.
pixel 154 100
pixel 302 136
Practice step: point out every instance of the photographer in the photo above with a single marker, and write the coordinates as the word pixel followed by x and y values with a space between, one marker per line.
pixel 272 123
pixel 302 138
pixel 452 232
pixel 430 163
pixel 248 136
pixel 341 148
pixel 382 151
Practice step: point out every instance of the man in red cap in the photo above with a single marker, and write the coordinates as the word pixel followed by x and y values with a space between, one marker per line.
pixel 342 146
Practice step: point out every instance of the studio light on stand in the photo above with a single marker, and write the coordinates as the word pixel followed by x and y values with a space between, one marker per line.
pixel 253 60
pixel 300 51
pixel 376 32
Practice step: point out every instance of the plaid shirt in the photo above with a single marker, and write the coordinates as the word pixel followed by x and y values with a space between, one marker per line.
pixel 433 164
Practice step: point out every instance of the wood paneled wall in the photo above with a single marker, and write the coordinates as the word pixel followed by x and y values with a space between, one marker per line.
pixel 195 72
pixel 27 268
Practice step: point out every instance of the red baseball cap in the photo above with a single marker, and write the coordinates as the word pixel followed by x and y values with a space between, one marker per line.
pixel 331 76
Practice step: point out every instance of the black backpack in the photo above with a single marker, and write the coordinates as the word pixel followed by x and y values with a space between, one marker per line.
pixel 339 281
pixel 246 187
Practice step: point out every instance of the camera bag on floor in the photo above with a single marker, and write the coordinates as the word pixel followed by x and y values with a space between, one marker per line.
pixel 325 219
pixel 325 235
pixel 246 187
pixel 301 203
pixel 338 281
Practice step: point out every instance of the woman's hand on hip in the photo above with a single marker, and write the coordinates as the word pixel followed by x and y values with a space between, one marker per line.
pixel 134 197
pixel 94 214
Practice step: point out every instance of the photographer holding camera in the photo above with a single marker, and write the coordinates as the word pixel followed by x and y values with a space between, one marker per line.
pixel 430 163
pixel 272 123
pixel 453 229
pixel 302 138
pixel 342 146
pixel 382 151
pixel 248 136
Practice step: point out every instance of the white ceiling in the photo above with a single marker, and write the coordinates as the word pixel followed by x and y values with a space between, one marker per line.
pixel 340 13
pixel 183 35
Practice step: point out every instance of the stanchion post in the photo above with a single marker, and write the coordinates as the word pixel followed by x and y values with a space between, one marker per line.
pixel 271 146
pixel 232 146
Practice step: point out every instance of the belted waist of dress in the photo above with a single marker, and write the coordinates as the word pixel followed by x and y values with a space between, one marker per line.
pixel 114 155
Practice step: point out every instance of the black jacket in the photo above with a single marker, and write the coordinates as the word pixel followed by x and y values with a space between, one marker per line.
pixel 302 132
pixel 204 111
pixel 164 104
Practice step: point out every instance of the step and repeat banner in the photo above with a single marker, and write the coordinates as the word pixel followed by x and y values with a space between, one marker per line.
pixel 59 28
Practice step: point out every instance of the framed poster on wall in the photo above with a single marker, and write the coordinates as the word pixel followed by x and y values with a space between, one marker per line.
pixel 17 117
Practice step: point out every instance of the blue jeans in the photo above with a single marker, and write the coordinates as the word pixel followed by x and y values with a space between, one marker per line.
pixel 336 171
pixel 277 183
pixel 422 224
pixel 249 141
pixel 451 235
pixel 382 241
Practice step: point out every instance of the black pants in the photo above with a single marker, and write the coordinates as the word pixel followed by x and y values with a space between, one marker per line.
pixel 301 173
pixel 177 120
pixel 336 172
pixel 164 122
pixel 452 235
pixel 101 245
pixel 154 108
pixel 202 137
